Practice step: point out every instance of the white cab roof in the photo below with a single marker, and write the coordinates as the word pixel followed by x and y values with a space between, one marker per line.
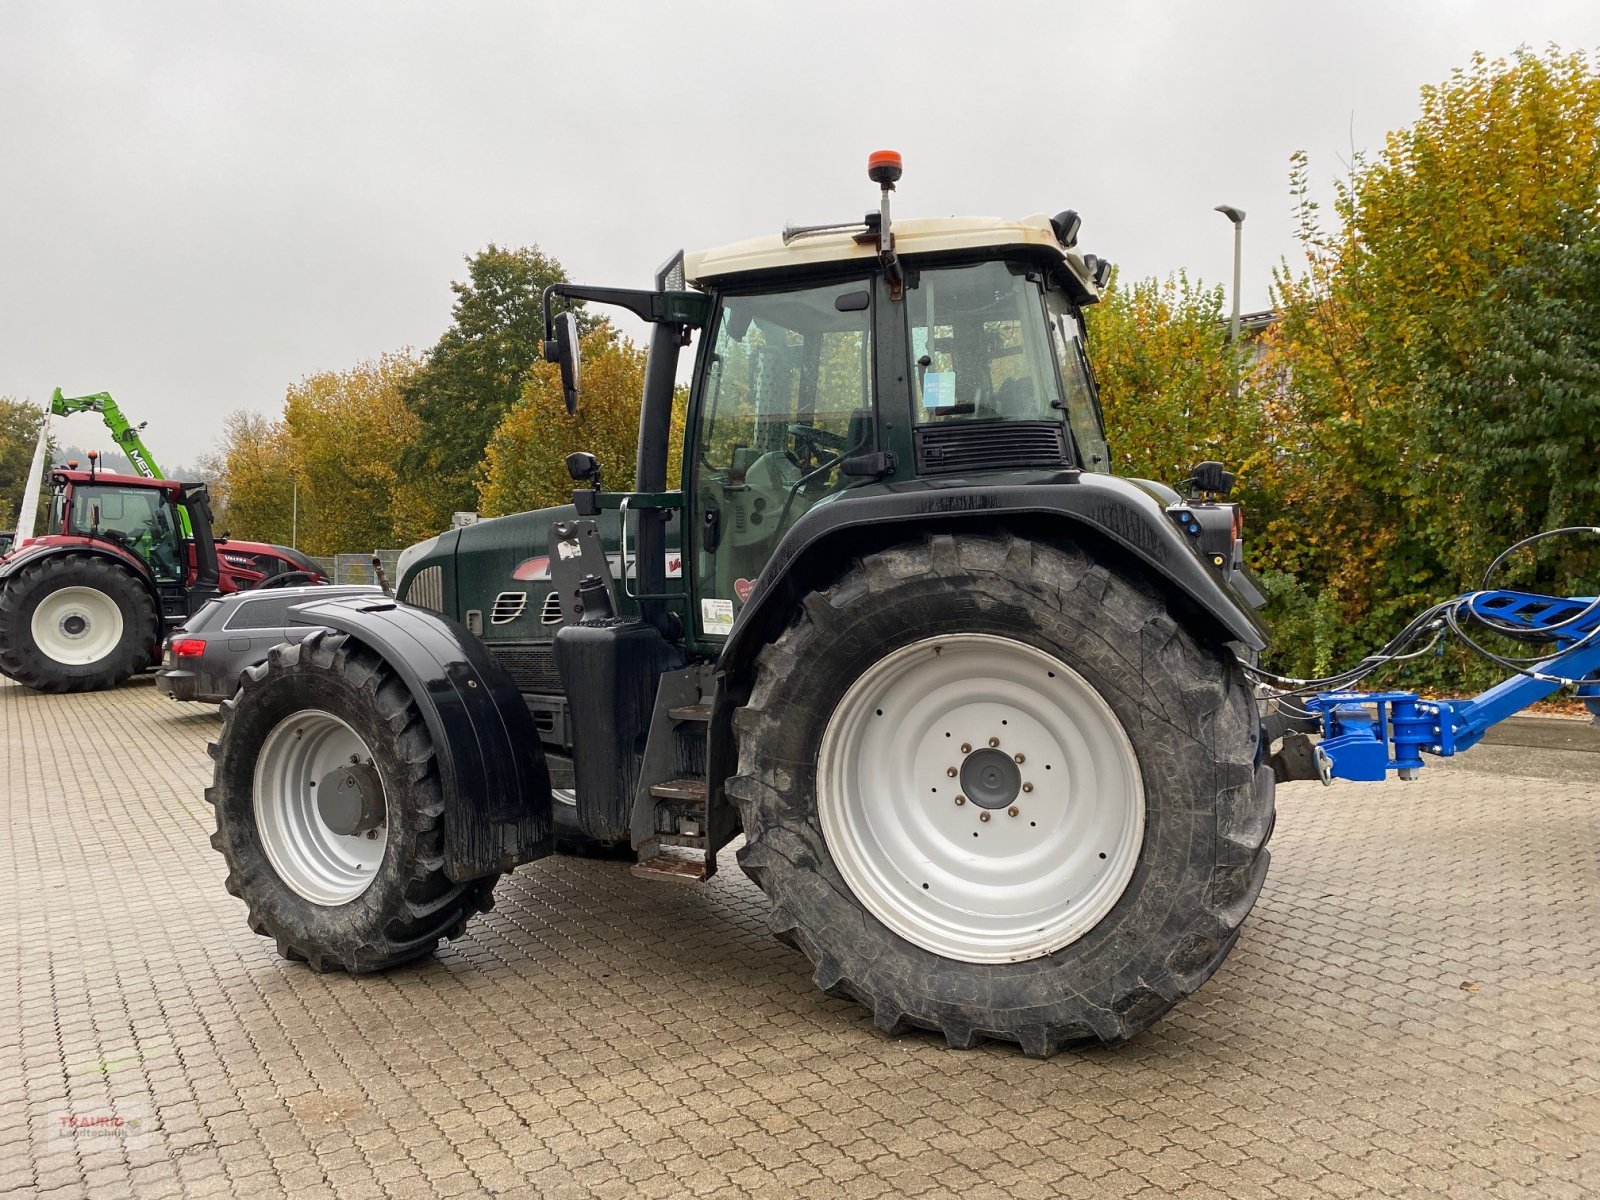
pixel 923 236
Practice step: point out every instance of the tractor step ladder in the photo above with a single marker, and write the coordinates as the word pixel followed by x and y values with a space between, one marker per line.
pixel 669 820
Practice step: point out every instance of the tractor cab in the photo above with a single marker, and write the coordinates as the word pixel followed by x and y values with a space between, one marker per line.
pixel 135 514
pixel 860 358
pixel 139 516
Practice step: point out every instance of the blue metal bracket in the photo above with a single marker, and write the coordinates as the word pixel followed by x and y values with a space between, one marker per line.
pixel 1365 735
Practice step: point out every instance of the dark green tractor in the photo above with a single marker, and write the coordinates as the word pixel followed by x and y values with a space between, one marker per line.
pixel 973 703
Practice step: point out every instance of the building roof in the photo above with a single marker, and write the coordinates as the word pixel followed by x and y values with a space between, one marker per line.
pixel 915 236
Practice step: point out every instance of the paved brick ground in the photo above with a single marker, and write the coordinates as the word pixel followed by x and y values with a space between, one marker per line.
pixel 1413 1010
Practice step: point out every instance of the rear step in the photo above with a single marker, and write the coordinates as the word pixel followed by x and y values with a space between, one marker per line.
pixel 692 790
pixel 669 818
pixel 674 868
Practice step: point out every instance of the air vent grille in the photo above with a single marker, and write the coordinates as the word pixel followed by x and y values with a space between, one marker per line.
pixel 532 668
pixel 550 612
pixel 990 446
pixel 508 607
pixel 426 589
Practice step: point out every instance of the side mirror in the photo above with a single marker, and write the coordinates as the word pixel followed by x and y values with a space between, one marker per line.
pixel 1211 478
pixel 568 356
pixel 584 468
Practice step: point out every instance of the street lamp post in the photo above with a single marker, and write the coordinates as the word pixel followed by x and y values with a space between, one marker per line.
pixel 1236 215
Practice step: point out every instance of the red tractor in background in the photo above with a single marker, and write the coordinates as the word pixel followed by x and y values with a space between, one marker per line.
pixel 86 605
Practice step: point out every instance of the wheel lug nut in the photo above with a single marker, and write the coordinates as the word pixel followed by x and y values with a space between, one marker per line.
pixel 1019 759
pixel 983 816
pixel 961 799
pixel 950 771
pixel 1027 787
pixel 994 742
pixel 1012 811
pixel 966 747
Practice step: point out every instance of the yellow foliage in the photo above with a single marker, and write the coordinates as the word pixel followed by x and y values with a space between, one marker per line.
pixel 525 463
pixel 347 430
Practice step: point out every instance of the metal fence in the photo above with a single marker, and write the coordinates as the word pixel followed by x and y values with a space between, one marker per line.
pixel 357 568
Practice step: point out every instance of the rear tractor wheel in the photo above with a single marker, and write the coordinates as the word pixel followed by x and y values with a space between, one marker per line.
pixel 328 803
pixel 75 623
pixel 994 789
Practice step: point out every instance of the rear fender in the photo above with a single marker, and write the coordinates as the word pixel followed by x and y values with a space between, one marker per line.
pixel 1098 508
pixel 496 786
pixel 1114 515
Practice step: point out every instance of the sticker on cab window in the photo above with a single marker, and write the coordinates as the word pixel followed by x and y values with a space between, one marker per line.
pixel 716 616
pixel 938 389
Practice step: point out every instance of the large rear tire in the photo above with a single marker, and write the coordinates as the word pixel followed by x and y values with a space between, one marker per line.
pixel 994 789
pixel 75 623
pixel 328 804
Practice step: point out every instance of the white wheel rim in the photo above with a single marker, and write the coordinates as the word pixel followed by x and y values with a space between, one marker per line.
pixel 324 866
pixel 77 626
pixel 1025 885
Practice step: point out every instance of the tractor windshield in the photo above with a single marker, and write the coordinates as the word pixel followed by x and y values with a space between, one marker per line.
pixel 136 518
pixel 786 395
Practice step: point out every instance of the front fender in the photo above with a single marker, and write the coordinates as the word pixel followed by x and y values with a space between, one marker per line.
pixel 496 787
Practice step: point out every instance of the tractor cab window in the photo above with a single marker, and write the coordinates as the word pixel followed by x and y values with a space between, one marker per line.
pixel 1077 385
pixel 138 519
pixel 785 397
pixel 979 346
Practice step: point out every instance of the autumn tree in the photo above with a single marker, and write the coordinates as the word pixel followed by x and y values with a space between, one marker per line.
pixel 525 464
pixel 19 435
pixel 256 495
pixel 347 432
pixel 1165 370
pixel 1407 294
pixel 472 378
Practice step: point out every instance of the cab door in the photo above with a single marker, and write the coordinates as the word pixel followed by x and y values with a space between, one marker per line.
pixel 785 393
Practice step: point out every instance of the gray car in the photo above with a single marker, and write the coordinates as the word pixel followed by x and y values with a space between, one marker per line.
pixel 204 658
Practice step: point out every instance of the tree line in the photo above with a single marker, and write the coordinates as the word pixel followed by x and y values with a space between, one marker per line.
pixel 1430 392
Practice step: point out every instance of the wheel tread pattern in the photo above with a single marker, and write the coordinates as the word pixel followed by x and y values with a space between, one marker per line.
pixel 432 908
pixel 1214 708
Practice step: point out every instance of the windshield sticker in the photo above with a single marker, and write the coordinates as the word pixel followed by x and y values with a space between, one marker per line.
pixel 938 389
pixel 716 616
pixel 742 589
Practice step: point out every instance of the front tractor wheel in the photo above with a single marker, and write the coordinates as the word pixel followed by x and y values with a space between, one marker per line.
pixel 75 623
pixel 993 789
pixel 328 804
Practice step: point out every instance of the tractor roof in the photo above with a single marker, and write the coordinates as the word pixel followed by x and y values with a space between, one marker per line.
pixel 924 236
pixel 68 475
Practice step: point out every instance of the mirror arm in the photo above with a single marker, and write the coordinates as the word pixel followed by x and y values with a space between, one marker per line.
pixel 678 308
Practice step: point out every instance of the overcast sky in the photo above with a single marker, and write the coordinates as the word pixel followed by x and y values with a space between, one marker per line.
pixel 202 202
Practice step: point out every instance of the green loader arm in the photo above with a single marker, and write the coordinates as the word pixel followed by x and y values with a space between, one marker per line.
pixel 123 431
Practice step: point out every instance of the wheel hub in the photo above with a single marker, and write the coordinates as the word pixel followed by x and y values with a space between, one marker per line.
pixel 320 807
pixel 77 625
pixel 980 798
pixel 350 799
pixel 990 779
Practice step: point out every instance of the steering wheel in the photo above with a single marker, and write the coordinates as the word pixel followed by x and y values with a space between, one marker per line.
pixel 816 439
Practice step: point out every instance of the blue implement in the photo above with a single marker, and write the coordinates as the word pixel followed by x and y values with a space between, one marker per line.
pixel 1365 735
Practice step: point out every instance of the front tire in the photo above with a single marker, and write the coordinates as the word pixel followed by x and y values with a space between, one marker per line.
pixel 1080 909
pixel 352 877
pixel 75 623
